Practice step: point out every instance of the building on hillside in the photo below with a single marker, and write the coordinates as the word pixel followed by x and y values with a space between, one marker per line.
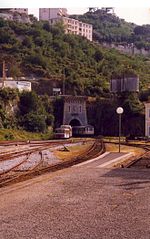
pixel 147 119
pixel 73 26
pixel 15 14
pixel 46 14
pixel 13 84
pixel 56 91
pixel 19 10
pixel 6 16
pixel 129 84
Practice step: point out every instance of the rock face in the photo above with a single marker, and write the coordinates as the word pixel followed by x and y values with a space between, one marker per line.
pixel 8 111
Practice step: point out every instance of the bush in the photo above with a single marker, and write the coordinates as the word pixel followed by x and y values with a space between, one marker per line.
pixel 34 122
pixel 9 136
pixel 50 120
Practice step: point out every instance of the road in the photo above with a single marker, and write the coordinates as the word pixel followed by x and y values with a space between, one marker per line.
pixel 84 202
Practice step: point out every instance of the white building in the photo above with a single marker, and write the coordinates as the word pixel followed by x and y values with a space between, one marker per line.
pixel 15 14
pixel 46 14
pixel 71 25
pixel 19 10
pixel 6 16
pixel 20 85
pixel 147 119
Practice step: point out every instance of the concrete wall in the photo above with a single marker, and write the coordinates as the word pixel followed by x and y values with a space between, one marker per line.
pixel 129 49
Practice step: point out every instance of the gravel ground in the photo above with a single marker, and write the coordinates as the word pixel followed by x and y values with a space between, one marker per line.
pixel 78 203
pixel 48 157
pixel 8 164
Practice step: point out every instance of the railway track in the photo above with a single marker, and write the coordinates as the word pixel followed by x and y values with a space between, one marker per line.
pixel 14 175
pixel 9 156
pixel 32 147
pixel 142 161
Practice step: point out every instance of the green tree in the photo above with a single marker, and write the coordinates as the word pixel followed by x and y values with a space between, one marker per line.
pixel 34 122
pixel 30 102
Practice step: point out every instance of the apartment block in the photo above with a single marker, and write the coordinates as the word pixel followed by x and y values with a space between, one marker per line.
pixel 46 14
pixel 72 26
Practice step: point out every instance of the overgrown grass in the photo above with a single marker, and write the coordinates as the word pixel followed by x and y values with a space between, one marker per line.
pixel 10 134
pixel 73 151
pixel 124 148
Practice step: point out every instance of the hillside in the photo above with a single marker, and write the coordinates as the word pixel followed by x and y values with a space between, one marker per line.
pixel 49 57
pixel 42 51
pixel 111 29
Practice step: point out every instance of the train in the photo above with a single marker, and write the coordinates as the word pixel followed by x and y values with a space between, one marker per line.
pixel 66 131
pixel 83 131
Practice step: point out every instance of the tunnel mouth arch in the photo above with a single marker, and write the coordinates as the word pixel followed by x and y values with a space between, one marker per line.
pixel 75 122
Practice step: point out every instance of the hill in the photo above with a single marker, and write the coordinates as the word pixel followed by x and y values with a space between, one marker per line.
pixel 43 51
pixel 48 55
pixel 111 29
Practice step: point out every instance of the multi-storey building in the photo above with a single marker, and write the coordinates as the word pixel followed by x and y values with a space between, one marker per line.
pixel 52 13
pixel 15 14
pixel 10 10
pixel 71 25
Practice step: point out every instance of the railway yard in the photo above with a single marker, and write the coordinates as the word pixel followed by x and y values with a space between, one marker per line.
pixel 88 198
pixel 20 160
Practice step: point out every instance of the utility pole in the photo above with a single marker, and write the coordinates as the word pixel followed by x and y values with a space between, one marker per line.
pixel 4 74
pixel 64 82
pixel 119 111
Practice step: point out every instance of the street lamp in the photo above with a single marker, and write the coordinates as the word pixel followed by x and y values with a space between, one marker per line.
pixel 119 111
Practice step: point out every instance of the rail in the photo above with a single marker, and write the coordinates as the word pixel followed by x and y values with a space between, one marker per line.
pixel 12 175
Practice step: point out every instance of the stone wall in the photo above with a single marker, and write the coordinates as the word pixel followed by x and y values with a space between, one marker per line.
pixel 75 110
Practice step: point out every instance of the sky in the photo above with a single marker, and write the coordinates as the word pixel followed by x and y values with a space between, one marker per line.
pixel 137 11
pixel 137 15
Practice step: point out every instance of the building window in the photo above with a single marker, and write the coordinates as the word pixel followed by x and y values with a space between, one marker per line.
pixel 74 109
pixel 69 108
pixel 149 113
pixel 80 109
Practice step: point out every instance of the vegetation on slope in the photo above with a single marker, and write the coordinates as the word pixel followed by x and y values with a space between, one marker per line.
pixel 15 134
pixel 42 50
pixel 26 111
pixel 111 29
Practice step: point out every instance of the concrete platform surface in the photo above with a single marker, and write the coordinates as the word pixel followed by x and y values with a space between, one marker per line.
pixel 78 203
pixel 106 160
